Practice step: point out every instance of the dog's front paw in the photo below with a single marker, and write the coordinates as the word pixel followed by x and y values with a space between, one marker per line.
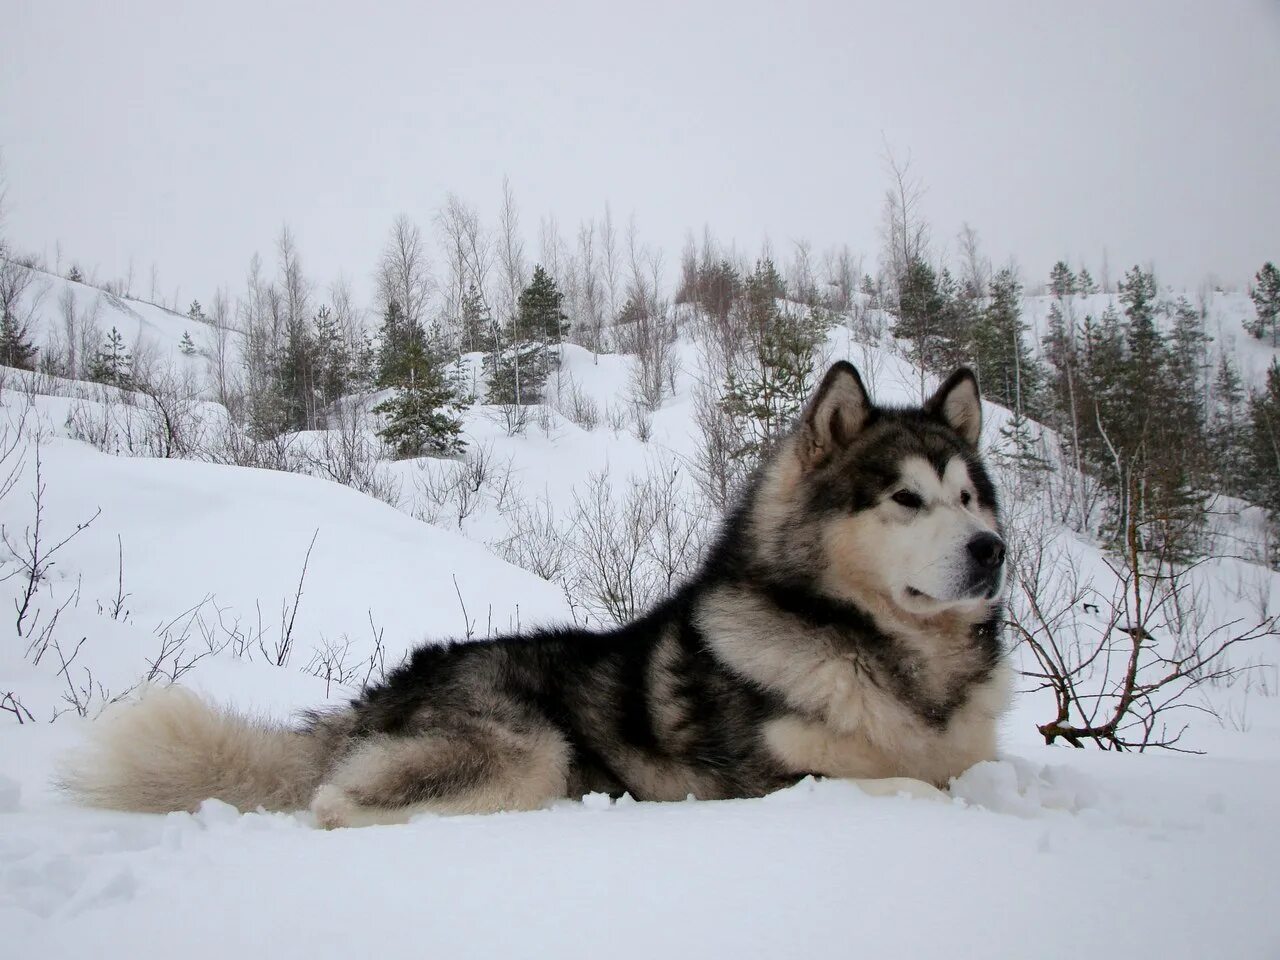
pixel 901 786
pixel 331 807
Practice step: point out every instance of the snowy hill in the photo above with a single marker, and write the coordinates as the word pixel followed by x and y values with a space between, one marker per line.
pixel 197 568
pixel 62 314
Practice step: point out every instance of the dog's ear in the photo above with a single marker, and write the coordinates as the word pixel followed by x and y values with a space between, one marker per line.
pixel 958 405
pixel 839 409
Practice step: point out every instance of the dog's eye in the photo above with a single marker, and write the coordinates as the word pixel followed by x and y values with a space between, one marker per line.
pixel 965 498
pixel 908 499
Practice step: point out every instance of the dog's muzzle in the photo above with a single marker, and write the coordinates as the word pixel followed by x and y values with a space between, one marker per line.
pixel 986 565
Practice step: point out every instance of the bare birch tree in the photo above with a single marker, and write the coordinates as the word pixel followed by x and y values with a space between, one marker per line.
pixel 903 231
pixel 403 274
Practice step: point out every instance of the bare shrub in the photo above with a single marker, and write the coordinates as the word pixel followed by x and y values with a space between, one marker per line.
pixel 512 417
pixel 641 422
pixel 172 410
pixel 10 702
pixel 1123 661
pixel 630 551
pixel 577 405
pixel 535 541
pixel 715 467
pixel 226 442
pixel 173 660
pixel 457 488
pixel 331 662
pixel 282 649
pixel 350 453
pixel 433 485
pixel 33 552
pixel 652 340
pixel 616 415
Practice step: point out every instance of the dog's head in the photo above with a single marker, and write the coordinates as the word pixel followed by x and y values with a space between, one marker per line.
pixel 886 503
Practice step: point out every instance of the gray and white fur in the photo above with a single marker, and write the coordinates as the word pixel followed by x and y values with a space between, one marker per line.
pixel 845 623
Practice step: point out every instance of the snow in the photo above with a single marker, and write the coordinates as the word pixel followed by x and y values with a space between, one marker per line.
pixel 1048 852
pixel 1068 854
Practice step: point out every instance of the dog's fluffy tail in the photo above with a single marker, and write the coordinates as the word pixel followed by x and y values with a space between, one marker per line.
pixel 172 750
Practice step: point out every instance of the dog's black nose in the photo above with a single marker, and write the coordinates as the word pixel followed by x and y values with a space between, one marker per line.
pixel 987 550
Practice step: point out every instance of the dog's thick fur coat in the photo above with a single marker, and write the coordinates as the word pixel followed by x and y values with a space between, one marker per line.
pixel 845 624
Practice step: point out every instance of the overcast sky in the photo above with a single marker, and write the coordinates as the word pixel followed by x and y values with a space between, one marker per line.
pixel 185 135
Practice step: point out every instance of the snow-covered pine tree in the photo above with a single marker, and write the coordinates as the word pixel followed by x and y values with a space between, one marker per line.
pixel 422 413
pixel 518 366
pixel 187 346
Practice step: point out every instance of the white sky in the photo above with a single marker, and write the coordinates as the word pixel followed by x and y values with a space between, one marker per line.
pixel 185 136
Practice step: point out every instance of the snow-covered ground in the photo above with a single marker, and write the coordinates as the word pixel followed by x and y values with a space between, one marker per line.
pixel 1048 852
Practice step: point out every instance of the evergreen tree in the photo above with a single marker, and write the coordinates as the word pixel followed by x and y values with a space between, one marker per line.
pixel 1102 369
pixel 333 361
pixel 540 314
pixel 186 345
pixel 766 393
pixel 1019 448
pixel 1229 428
pixel 719 288
pixel 1062 282
pixel 477 323
pixel 1264 422
pixel 1085 284
pixel 523 355
pixel 1156 430
pixel 1062 355
pixel 870 291
pixel 363 354
pixel 1188 346
pixel 195 311
pixel 74 274
pixel 16 348
pixel 421 415
pixel 112 364
pixel 926 316
pixel 400 339
pixel 1009 373
pixel 297 377
pixel 1266 301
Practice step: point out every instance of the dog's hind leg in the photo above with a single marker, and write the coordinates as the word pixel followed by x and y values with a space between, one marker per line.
pixel 469 768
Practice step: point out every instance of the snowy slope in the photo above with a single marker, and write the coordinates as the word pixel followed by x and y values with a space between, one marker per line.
pixel 49 300
pixel 1048 852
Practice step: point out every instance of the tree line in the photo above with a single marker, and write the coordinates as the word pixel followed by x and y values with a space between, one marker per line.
pixel 1144 410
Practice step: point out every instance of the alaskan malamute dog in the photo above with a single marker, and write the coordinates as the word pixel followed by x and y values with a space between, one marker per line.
pixel 845 623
